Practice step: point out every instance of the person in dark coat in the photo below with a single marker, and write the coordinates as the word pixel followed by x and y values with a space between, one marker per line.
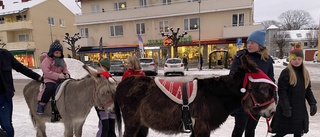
pixel 294 87
pixel 7 63
pixel 257 52
pixel 185 62
pixel 201 61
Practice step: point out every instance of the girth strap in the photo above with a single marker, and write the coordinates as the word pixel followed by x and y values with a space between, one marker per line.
pixel 186 119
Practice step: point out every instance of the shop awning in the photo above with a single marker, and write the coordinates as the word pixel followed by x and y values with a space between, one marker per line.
pixel 97 50
pixel 21 51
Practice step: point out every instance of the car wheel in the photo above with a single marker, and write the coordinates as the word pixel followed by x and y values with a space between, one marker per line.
pixel 155 74
pixel 165 74
pixel 182 74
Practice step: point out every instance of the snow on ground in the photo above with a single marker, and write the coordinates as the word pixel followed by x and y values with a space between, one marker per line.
pixel 24 127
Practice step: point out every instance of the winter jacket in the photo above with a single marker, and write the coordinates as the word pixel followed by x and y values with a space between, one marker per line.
pixel 265 66
pixel 7 63
pixel 50 71
pixel 130 72
pixel 292 98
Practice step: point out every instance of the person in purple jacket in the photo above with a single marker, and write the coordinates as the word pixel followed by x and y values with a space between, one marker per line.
pixel 54 71
pixel 7 63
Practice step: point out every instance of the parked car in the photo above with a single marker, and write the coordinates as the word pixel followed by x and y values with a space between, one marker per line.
pixel 149 66
pixel 173 66
pixel 117 67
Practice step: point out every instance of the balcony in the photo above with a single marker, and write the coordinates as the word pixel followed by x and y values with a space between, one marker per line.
pixel 85 42
pixel 21 45
pixel 240 31
pixel 21 25
pixel 159 11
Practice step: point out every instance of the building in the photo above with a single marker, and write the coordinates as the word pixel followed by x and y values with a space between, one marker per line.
pixel 307 40
pixel 28 27
pixel 120 22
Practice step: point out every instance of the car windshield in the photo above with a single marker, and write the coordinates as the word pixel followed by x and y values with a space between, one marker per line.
pixel 116 62
pixel 174 61
pixel 145 60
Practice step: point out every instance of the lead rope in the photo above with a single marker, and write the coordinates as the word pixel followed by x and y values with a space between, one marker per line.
pixel 268 125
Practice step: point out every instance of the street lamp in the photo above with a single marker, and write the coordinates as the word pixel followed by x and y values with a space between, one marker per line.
pixel 199 38
pixel 175 39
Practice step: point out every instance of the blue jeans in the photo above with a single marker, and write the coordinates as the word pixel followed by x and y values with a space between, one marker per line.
pixel 6 108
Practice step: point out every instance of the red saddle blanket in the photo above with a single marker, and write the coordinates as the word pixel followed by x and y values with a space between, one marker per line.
pixel 174 89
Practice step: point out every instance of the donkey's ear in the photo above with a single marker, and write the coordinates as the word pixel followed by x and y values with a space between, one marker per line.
pixel 248 64
pixel 91 72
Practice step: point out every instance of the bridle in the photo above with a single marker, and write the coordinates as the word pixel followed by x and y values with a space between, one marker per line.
pixel 255 103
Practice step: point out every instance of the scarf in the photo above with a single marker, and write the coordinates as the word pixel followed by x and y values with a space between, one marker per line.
pixel 58 62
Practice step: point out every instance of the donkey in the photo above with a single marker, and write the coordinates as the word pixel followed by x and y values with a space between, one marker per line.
pixel 144 105
pixel 74 104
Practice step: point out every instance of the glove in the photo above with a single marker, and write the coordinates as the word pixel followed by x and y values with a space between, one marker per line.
pixel 313 110
pixel 61 76
pixel 287 113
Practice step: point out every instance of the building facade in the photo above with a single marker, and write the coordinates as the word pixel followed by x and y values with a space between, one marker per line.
pixel 29 27
pixel 219 25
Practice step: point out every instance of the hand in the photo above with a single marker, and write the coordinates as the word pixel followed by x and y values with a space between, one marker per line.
pixel 313 109
pixel 287 113
pixel 61 76
pixel 66 76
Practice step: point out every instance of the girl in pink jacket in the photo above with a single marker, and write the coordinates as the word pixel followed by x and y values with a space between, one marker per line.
pixel 54 71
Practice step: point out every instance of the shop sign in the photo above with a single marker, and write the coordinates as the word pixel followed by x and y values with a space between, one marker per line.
pixel 160 41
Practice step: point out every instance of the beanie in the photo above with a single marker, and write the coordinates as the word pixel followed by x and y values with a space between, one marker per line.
pixel 55 46
pixel 105 63
pixel 260 76
pixel 258 36
pixel 295 53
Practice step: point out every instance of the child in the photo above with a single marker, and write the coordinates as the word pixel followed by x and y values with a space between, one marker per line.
pixel 294 87
pixel 106 119
pixel 54 70
pixel 134 67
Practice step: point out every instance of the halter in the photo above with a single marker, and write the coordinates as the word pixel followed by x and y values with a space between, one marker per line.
pixel 255 103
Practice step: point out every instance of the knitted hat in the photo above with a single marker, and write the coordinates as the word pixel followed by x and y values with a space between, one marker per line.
pixel 55 46
pixel 258 36
pixel 105 63
pixel 295 53
pixel 256 77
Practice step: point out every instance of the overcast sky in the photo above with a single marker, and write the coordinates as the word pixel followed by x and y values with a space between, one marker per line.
pixel 263 9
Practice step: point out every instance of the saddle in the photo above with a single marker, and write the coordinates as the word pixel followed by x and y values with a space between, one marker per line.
pixel 174 89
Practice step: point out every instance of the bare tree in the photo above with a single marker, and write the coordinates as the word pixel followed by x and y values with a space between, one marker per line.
pixel 267 23
pixel 295 19
pixel 280 41
pixel 2 44
pixel 71 40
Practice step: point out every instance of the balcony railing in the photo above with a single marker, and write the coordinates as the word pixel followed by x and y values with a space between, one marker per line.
pixel 85 42
pixel 12 26
pixel 158 11
pixel 240 31
pixel 21 45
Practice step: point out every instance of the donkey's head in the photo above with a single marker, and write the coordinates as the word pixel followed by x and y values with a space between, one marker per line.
pixel 105 88
pixel 258 89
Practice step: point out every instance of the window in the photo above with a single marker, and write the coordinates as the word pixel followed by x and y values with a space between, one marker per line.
pixel 62 23
pixel 140 28
pixel 238 19
pixel 191 24
pixel 120 6
pixel 51 21
pixel 116 30
pixel 84 33
pixel 287 35
pixel 166 2
pixel 308 35
pixel 192 0
pixel 1 20
pixel 95 8
pixel 143 3
pixel 305 44
pixel 164 26
pixel 299 35
pixel 23 38
pixel 21 17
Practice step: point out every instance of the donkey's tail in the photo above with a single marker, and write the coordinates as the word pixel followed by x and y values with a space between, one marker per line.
pixel 32 119
pixel 118 117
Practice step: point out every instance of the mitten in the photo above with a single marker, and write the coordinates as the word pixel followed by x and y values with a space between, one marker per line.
pixel 313 109
pixel 66 76
pixel 61 76
pixel 287 113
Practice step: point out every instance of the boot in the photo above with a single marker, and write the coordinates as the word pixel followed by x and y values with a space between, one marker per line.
pixel 40 109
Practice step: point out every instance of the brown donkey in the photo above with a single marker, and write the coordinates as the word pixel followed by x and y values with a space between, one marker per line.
pixel 75 103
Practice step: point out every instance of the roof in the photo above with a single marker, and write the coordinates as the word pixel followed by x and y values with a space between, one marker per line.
pixel 16 7
pixel 272 27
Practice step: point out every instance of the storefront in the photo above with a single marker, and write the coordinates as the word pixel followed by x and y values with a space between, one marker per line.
pixel 26 57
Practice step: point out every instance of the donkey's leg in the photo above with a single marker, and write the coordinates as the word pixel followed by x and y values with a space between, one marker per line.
pixel 143 131
pixel 41 128
pixel 68 128
pixel 78 128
